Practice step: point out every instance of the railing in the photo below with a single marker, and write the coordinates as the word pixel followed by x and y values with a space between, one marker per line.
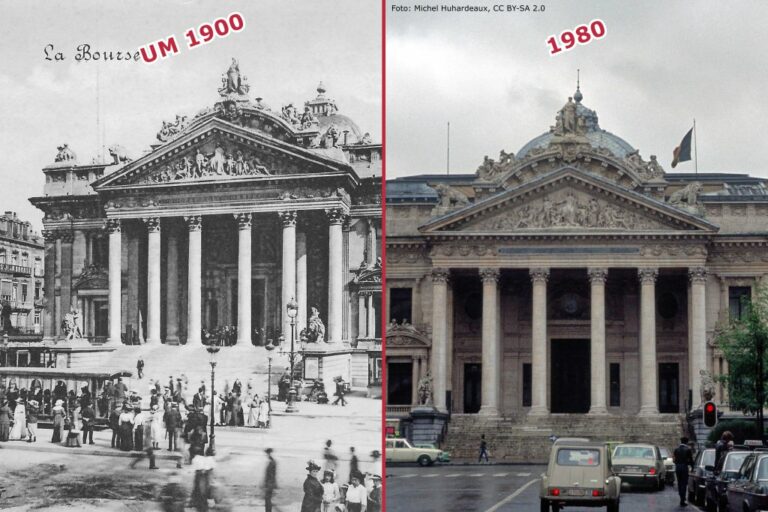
pixel 398 409
pixel 15 269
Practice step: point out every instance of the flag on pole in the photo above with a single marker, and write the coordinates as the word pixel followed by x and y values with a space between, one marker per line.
pixel 682 153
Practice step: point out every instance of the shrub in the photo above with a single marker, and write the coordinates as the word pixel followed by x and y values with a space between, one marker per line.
pixel 741 430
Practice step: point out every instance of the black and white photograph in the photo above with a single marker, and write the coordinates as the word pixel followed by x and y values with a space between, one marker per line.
pixel 190 256
pixel 576 256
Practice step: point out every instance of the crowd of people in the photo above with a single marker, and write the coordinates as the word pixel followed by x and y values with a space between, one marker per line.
pixel 360 493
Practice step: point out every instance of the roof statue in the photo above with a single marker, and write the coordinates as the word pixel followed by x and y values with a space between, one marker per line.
pixel 65 154
pixel 232 82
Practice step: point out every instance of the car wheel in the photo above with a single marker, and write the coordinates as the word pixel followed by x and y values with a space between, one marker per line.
pixel 661 484
pixel 424 460
pixel 544 505
pixel 613 506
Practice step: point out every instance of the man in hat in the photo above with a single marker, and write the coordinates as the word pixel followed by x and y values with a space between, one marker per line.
pixel 357 497
pixel 172 419
pixel 119 391
pixel 313 489
pixel 270 480
pixel 374 497
pixel 339 394
pixel 88 416
pixel 33 409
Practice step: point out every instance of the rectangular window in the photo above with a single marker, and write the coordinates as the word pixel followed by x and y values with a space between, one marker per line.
pixel 37 291
pixel 37 318
pixel 527 384
pixel 14 258
pixel 24 260
pixel 615 384
pixel 738 297
pixel 400 305
pixel 23 293
pixel 15 292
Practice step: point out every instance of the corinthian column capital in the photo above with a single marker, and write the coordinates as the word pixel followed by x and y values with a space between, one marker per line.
pixel 597 275
pixel 697 275
pixel 440 275
pixel 647 275
pixel 489 275
pixel 288 218
pixel 243 220
pixel 194 222
pixel 539 274
pixel 153 224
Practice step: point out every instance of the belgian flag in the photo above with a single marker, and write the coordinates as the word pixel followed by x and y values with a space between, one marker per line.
pixel 682 153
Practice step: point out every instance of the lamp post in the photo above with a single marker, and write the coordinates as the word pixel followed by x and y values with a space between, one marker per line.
pixel 270 347
pixel 292 308
pixel 212 351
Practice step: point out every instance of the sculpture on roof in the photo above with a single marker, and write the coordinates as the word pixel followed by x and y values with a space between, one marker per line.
pixel 171 130
pixel 687 198
pixel 489 170
pixel 449 197
pixel 118 154
pixel 232 82
pixel 65 154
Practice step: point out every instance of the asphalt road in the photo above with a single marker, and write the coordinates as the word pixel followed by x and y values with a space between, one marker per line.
pixel 494 488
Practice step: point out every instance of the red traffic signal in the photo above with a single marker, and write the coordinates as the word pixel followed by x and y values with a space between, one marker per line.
pixel 710 414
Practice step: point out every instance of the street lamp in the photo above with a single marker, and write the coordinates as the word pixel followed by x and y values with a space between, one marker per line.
pixel 212 351
pixel 270 347
pixel 292 308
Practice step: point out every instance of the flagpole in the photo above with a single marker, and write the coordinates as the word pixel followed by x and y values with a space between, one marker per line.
pixel 695 153
pixel 448 151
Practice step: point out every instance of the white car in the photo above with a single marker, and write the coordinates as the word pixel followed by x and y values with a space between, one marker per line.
pixel 400 450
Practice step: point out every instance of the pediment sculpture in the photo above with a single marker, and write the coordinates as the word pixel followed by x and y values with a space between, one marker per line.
pixel 687 198
pixel 490 169
pixel 229 162
pixel 171 130
pixel 566 209
pixel 65 154
pixel 449 198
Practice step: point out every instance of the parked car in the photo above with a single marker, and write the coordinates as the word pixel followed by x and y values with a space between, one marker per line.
pixel 446 456
pixel 697 479
pixel 669 465
pixel 400 450
pixel 748 492
pixel 639 464
pixel 715 499
pixel 579 475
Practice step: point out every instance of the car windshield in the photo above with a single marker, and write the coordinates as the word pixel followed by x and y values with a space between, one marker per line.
pixel 664 453
pixel 578 457
pixel 633 452
pixel 734 461
pixel 762 470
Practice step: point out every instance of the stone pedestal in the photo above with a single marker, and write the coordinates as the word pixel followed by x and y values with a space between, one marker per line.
pixel 427 425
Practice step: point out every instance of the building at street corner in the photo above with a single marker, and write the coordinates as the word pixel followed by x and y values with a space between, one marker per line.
pixel 238 209
pixel 21 276
pixel 570 288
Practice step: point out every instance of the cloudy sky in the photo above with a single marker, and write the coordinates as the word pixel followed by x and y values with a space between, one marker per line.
pixel 285 49
pixel 661 64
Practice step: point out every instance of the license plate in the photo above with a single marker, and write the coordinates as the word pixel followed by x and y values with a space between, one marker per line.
pixel 575 492
pixel 634 470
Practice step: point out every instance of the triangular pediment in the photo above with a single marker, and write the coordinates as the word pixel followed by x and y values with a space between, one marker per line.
pixel 219 151
pixel 567 201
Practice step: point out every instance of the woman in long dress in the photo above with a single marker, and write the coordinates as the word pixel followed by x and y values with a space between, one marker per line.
pixel 19 430
pixel 58 421
pixel 313 490
pixel 264 414
pixel 157 427
pixel 5 419
pixel 252 402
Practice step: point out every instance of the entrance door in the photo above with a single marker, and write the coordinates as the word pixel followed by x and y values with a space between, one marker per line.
pixel 473 377
pixel 570 376
pixel 669 388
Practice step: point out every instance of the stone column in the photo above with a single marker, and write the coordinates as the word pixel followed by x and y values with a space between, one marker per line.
pixel 697 337
pixel 539 341
pixel 335 282
pixel 648 384
pixel 194 280
pixel 244 280
pixel 371 310
pixel 49 284
pixel 89 236
pixel 172 289
pixel 289 267
pixel 65 287
pixel 371 242
pixel 115 278
pixel 362 317
pixel 301 280
pixel 597 277
pixel 491 346
pixel 153 279
pixel 439 362
pixel 415 381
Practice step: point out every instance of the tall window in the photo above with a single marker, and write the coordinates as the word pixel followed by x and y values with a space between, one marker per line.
pixel 738 298
pixel 24 259
pixel 37 291
pixel 527 384
pixel 23 293
pixel 15 292
pixel 2 257
pixel 400 305
pixel 14 258
pixel 615 385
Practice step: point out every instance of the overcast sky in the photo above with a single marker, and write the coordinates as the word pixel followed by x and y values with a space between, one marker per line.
pixel 285 49
pixel 661 64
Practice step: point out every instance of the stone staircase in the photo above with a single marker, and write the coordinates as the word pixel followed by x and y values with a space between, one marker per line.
pixel 527 439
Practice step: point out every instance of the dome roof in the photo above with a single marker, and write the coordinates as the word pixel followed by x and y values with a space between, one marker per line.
pixel 342 123
pixel 597 137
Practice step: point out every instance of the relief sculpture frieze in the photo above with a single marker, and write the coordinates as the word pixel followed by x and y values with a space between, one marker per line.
pixel 222 162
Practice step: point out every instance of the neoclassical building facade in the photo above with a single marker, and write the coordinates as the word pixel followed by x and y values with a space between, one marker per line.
pixel 234 212
pixel 572 277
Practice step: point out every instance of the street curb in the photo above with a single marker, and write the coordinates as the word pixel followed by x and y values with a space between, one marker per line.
pixel 53 448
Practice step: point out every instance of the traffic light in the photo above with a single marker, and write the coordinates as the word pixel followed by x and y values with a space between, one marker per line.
pixel 710 414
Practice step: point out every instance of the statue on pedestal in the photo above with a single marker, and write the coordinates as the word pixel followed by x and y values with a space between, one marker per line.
pixel 425 389
pixel 315 327
pixel 707 386
pixel 72 324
